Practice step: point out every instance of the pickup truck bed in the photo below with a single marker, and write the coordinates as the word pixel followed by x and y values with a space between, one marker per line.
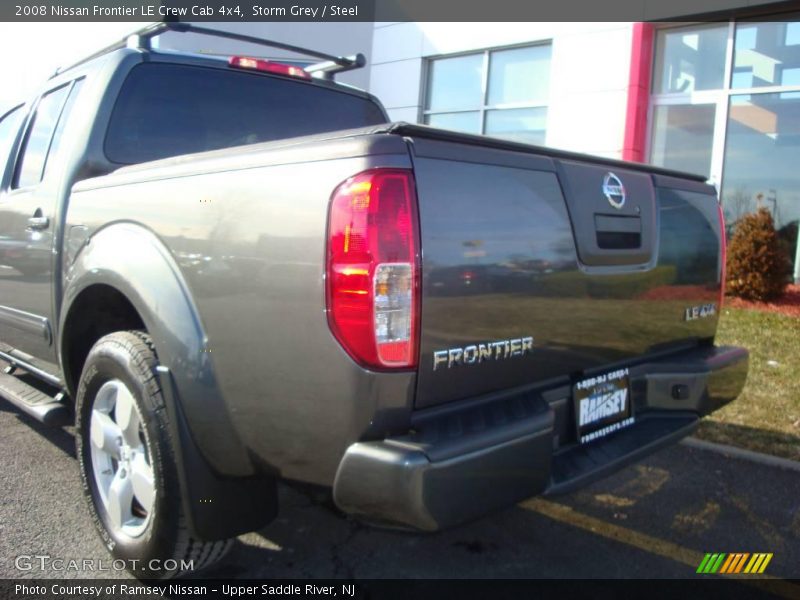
pixel 499 262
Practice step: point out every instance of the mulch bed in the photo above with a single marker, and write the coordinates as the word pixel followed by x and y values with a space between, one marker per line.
pixel 681 292
pixel 788 304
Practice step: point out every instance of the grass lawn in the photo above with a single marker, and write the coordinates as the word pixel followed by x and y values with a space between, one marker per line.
pixel 766 417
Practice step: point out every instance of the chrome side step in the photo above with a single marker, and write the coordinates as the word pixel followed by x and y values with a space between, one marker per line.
pixel 49 410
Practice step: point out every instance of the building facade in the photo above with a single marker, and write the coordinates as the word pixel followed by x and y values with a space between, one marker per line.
pixel 720 98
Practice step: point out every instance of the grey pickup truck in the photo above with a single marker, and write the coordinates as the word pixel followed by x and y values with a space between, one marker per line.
pixel 230 272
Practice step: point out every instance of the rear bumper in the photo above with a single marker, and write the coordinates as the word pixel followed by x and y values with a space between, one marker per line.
pixel 463 461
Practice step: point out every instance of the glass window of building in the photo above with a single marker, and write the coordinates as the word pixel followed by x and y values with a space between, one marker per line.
pixel 726 104
pixel 503 93
pixel 690 59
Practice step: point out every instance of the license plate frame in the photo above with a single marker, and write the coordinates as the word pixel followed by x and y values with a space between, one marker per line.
pixel 602 405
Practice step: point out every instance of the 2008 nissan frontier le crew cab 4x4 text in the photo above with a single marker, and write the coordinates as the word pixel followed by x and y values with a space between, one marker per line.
pixel 230 272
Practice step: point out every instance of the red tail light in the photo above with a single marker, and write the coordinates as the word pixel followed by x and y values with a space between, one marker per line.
pixel 372 269
pixel 259 64
pixel 723 252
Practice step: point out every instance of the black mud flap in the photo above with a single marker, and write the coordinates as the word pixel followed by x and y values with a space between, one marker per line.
pixel 216 507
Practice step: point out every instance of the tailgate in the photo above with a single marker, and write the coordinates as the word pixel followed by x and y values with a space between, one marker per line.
pixel 534 270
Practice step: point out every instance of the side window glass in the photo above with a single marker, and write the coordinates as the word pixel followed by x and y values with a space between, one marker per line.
pixel 30 167
pixel 9 127
pixel 62 122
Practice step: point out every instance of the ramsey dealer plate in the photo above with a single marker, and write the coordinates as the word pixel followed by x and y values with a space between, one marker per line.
pixel 602 405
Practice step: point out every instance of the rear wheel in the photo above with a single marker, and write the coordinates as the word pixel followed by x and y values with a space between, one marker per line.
pixel 127 462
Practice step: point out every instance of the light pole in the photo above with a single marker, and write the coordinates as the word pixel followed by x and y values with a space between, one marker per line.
pixel 797 259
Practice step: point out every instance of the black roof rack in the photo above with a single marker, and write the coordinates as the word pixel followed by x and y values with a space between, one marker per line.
pixel 330 65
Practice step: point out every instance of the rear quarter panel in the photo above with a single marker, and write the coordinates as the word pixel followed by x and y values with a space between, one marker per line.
pixel 247 229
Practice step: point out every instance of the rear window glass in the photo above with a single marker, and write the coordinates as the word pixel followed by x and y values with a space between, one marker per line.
pixel 167 110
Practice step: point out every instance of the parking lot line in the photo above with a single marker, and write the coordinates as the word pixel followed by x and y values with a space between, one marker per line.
pixel 642 541
pixel 647 543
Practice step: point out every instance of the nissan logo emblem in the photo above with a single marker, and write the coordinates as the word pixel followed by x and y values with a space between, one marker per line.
pixel 613 190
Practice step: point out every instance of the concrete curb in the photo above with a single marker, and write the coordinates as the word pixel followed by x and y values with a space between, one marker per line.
pixel 756 457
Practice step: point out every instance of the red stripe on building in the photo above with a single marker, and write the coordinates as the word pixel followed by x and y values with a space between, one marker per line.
pixel 638 93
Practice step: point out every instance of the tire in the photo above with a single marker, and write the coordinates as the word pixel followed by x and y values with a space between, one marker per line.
pixel 127 463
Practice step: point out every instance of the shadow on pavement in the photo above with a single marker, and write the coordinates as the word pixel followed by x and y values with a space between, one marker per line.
pixel 766 441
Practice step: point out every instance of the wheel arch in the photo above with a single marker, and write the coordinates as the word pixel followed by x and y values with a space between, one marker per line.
pixel 99 309
pixel 126 275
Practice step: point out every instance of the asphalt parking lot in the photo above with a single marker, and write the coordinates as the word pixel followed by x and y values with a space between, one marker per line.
pixel 656 519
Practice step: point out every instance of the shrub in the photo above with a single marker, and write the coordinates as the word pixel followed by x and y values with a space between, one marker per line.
pixel 757 263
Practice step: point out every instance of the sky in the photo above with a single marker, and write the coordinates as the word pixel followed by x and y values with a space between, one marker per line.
pixel 31 52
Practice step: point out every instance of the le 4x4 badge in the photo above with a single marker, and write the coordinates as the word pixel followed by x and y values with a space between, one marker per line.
pixel 692 313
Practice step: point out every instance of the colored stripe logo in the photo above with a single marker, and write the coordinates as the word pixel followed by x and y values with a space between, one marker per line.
pixel 734 563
